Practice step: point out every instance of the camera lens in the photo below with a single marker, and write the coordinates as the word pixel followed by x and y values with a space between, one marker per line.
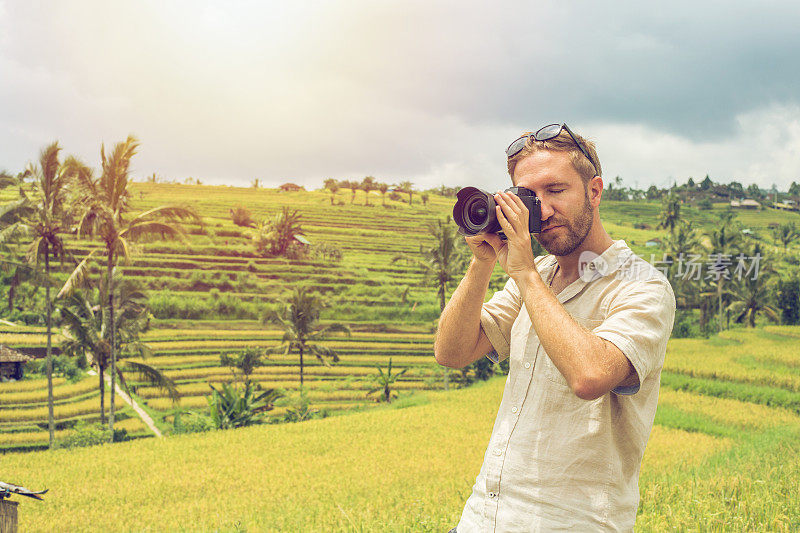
pixel 476 211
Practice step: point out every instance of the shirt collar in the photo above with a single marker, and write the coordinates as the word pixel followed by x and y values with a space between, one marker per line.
pixel 597 266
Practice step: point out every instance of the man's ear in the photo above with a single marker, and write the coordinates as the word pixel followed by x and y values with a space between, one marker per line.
pixel 595 190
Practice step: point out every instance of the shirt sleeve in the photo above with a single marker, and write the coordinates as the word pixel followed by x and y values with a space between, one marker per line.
pixel 639 323
pixel 497 318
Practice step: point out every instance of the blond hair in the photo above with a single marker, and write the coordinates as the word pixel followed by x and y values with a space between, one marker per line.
pixel 563 143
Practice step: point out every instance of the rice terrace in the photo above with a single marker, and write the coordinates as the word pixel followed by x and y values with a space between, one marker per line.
pixel 207 348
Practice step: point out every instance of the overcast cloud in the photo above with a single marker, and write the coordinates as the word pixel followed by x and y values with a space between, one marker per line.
pixel 431 92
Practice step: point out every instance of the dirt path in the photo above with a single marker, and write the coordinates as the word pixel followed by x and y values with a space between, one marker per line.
pixel 130 401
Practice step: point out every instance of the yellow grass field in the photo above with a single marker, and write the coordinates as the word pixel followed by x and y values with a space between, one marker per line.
pixel 387 469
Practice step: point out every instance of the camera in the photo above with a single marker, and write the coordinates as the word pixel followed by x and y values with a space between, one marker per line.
pixel 474 211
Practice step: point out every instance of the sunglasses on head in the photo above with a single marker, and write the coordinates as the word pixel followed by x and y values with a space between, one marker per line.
pixel 551 131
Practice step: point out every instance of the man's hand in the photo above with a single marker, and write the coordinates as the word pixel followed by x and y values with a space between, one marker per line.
pixel 516 254
pixel 484 246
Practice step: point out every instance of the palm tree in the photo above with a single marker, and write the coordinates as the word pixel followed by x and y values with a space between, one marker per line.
pixel 680 245
pixel 368 184
pixel 670 212
pixel 753 296
pixel 87 335
pixel 13 268
pixel 273 237
pixel 44 221
pixel 786 234
pixel 385 381
pixel 725 239
pixel 299 316
pixel 407 187
pixel 106 206
pixel 441 263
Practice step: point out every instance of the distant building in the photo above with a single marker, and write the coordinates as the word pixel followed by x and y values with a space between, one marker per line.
pixel 11 363
pixel 291 187
pixel 747 203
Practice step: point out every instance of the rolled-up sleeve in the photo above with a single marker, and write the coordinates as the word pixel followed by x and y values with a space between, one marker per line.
pixel 639 323
pixel 497 318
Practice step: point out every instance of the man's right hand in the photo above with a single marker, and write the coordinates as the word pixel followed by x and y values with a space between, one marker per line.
pixel 484 246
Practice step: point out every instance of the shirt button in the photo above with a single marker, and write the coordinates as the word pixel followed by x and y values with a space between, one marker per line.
pixel 527 365
pixel 498 451
pixel 492 494
pixel 514 409
pixel 591 266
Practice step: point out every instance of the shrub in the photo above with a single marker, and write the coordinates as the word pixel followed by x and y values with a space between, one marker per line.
pixel 241 217
pixel 191 422
pixel 704 204
pixel 298 409
pixel 85 435
pixel 233 407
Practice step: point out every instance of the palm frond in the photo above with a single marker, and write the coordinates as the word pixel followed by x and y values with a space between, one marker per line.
pixel 154 377
pixel 77 278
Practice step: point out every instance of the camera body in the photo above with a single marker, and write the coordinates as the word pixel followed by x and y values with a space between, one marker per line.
pixel 475 212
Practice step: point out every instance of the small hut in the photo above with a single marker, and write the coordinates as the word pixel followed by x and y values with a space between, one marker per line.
pixel 11 362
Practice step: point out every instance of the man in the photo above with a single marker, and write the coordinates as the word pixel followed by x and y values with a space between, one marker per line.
pixel 585 329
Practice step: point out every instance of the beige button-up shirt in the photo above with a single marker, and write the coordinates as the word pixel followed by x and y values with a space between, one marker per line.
pixel 555 461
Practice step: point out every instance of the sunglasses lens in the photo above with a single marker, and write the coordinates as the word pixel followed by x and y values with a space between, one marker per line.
pixel 548 132
pixel 516 146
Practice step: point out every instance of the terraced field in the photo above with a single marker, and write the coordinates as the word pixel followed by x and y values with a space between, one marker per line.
pixel 208 294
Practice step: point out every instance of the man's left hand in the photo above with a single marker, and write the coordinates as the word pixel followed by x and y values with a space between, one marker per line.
pixel 516 254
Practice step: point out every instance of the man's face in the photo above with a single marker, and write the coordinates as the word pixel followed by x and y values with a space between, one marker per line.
pixel 566 207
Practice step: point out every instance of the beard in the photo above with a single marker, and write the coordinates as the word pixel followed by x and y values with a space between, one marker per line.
pixel 566 239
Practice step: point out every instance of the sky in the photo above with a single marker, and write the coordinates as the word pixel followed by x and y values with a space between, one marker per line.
pixel 425 91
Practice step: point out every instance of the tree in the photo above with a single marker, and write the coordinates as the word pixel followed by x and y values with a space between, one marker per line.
pixel 424 197
pixel 368 184
pixel 789 299
pixel 383 188
pixel 754 192
pixel 333 186
pixel 246 361
pixel 725 239
pixel 794 189
pixel 690 183
pixel 754 296
pixel 273 237
pixel 87 335
pixel 105 202
pixel 652 193
pixel 385 381
pixel 45 223
pixel 441 262
pixel 353 186
pixel 706 184
pixel 786 234
pixel 679 246
pixel 13 268
pixel 408 188
pixel 298 316
pixel 670 212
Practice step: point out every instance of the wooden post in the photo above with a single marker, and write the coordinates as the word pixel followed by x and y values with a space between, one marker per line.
pixel 8 516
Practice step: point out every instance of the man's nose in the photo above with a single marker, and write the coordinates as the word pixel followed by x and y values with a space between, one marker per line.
pixel 547 211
